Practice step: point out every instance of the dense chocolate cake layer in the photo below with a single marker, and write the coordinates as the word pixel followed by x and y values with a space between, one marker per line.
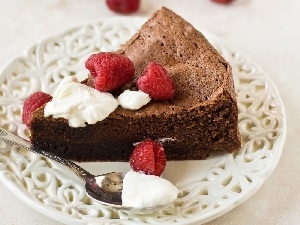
pixel 201 118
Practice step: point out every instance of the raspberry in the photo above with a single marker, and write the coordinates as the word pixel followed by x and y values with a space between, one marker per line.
pixel 123 6
pixel 223 1
pixel 148 157
pixel 36 100
pixel 110 70
pixel 156 82
pixel 89 64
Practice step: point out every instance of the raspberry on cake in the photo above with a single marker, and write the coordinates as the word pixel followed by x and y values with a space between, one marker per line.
pixel 156 82
pixel 110 70
pixel 202 116
pixel 35 101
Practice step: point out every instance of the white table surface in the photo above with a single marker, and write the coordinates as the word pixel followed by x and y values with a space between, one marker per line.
pixel 266 30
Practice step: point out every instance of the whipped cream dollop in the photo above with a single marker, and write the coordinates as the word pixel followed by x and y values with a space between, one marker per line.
pixel 79 104
pixel 146 191
pixel 133 100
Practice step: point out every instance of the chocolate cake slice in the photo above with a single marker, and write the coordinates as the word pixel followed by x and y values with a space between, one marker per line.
pixel 200 119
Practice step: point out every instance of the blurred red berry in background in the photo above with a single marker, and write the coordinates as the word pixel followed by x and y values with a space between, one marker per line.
pixel 223 1
pixel 123 6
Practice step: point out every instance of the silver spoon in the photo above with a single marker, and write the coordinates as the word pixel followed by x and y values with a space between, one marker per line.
pixel 108 192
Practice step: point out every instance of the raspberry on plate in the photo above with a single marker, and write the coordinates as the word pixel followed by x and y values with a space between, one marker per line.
pixel 123 6
pixel 110 70
pixel 156 82
pixel 148 157
pixel 35 101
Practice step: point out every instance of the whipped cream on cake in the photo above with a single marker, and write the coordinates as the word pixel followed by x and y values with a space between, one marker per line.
pixel 147 191
pixel 133 99
pixel 79 103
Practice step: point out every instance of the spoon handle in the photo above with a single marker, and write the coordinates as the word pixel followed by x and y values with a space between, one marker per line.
pixel 22 143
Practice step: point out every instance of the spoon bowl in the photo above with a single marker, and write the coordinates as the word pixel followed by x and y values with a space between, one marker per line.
pixel 105 189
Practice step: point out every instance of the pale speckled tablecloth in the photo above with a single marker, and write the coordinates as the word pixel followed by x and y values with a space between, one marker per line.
pixel 266 30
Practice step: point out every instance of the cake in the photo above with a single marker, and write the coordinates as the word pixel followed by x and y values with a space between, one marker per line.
pixel 201 118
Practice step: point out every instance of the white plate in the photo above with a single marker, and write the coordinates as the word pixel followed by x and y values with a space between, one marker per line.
pixel 208 188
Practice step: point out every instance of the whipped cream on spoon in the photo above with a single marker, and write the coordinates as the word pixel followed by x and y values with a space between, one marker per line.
pixel 107 188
